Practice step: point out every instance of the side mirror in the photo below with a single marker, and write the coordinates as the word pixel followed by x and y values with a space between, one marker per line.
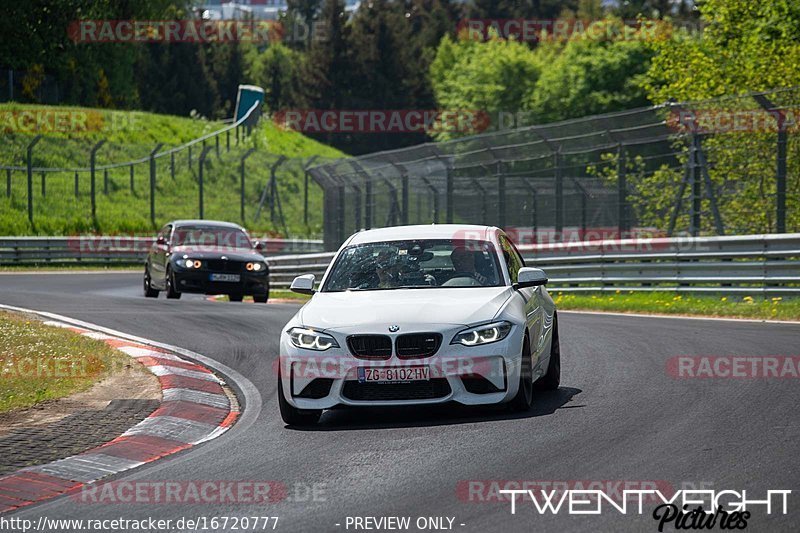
pixel 530 277
pixel 259 246
pixel 303 284
pixel 161 240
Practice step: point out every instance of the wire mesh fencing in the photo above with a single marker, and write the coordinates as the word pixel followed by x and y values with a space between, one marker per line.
pixel 723 166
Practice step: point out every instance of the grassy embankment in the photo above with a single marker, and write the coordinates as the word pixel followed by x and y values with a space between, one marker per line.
pixel 132 135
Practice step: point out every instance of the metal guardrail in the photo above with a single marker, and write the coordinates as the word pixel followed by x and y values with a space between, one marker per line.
pixel 749 264
pixel 109 250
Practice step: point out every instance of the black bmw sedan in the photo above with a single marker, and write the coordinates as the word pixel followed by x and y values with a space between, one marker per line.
pixel 206 257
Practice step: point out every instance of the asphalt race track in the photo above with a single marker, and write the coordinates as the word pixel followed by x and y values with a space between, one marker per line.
pixel 619 415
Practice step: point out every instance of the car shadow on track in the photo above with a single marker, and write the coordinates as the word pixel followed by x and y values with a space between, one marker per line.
pixel 360 418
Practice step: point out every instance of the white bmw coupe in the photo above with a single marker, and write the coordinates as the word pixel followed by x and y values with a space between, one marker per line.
pixel 417 315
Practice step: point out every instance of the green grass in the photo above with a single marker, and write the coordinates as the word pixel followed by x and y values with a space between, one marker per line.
pixel 775 308
pixel 132 135
pixel 39 362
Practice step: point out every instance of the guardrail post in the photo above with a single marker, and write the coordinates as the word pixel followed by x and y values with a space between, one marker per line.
pixel 242 181
pixel 216 142
pixel 227 140
pixel 77 188
pixel 190 156
pixel 132 178
pixel 202 160
pixel 44 185
pixel 153 183
pixel 622 192
pixel 172 165
pixel 92 165
pixel 8 182
pixel 404 197
pixel 29 164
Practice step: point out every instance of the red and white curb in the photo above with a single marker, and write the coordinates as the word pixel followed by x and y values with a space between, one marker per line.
pixel 196 406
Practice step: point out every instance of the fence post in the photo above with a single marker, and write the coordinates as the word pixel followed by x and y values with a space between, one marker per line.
pixel 29 164
pixel 449 193
pixel 190 156
pixel 305 188
pixel 501 196
pixel 8 182
pixel 559 186
pixel 202 160
pixel 216 141
pixel 404 197
pixel 172 165
pixel 105 181
pixel 153 183
pixel 241 181
pixel 44 185
pixel 622 192
pixel 227 140
pixel 92 165
pixel 780 180
pixel 132 180
pixel 77 183
pixel 694 219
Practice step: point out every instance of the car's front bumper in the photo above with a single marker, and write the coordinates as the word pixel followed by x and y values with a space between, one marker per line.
pixel 199 281
pixel 477 375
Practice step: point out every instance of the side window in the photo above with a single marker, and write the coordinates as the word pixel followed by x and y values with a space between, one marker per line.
pixel 165 232
pixel 512 258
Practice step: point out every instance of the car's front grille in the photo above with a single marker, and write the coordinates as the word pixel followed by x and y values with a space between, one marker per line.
pixel 370 346
pixel 413 390
pixel 318 388
pixel 416 345
pixel 218 265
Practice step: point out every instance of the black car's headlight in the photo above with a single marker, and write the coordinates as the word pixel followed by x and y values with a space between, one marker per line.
pixel 188 263
pixel 485 334
pixel 256 267
pixel 311 340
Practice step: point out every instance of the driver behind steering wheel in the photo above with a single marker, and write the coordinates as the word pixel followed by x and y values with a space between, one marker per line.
pixel 464 265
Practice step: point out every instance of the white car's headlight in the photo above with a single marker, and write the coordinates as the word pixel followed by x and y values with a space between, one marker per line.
pixel 311 340
pixel 484 334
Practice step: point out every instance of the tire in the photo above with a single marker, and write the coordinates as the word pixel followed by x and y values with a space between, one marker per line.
pixel 292 415
pixel 523 401
pixel 552 380
pixel 172 293
pixel 262 298
pixel 235 297
pixel 149 291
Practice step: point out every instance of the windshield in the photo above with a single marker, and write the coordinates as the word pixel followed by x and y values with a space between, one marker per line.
pixel 211 237
pixel 415 264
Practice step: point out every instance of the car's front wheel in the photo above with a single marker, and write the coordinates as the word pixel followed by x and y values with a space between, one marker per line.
pixel 149 291
pixel 552 379
pixel 172 292
pixel 524 399
pixel 294 416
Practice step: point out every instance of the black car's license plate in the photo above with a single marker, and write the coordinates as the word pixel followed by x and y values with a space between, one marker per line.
pixel 393 374
pixel 226 277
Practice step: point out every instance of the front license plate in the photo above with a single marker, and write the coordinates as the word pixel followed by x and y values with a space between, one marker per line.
pixel 393 374
pixel 226 277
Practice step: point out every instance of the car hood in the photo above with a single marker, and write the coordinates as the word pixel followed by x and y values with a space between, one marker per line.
pixel 234 254
pixel 455 306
